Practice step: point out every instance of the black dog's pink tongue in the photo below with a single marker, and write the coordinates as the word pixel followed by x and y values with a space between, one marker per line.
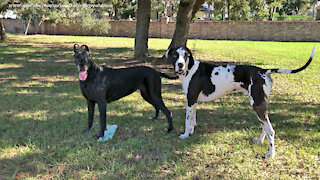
pixel 83 75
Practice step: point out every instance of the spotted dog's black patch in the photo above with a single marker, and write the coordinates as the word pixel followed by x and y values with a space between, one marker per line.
pixel 257 92
pixel 209 89
pixel 217 73
pixel 200 82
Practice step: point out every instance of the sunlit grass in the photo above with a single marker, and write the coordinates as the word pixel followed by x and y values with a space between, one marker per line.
pixel 43 114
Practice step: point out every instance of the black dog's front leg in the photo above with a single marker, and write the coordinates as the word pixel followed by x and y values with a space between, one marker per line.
pixel 91 105
pixel 102 112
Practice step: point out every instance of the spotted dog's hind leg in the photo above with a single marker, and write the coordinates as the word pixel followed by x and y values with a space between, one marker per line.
pixel 262 135
pixel 258 94
pixel 262 114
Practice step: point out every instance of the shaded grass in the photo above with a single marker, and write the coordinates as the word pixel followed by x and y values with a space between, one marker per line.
pixel 43 114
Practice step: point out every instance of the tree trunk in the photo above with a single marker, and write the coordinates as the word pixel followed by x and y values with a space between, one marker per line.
pixel 40 22
pixel 228 10
pixel 142 28
pixel 208 10
pixel 116 11
pixel 187 11
pixel 3 33
pixel 270 14
pixel 184 16
pixel 224 11
pixel 28 25
pixel 272 11
pixel 196 7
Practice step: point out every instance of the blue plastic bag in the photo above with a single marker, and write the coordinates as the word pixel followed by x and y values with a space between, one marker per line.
pixel 108 133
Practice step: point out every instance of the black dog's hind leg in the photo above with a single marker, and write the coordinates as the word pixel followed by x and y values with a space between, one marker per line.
pixel 157 99
pixel 91 105
pixel 153 90
pixel 157 114
pixel 147 98
pixel 102 112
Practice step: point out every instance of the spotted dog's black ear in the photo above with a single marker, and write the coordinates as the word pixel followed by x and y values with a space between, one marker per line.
pixel 76 48
pixel 169 57
pixel 190 57
pixel 86 48
pixel 189 54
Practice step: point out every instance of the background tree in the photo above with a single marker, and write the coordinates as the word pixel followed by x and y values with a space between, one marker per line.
pixel 257 8
pixel 87 17
pixel 142 28
pixel 219 7
pixel 293 7
pixel 4 5
pixel 186 12
pixel 119 5
pixel 272 6
pixel 30 11
pixel 239 10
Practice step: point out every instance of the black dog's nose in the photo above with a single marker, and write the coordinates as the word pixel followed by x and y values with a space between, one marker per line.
pixel 180 65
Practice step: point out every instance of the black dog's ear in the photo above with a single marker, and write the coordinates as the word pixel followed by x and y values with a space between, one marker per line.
pixel 85 47
pixel 76 48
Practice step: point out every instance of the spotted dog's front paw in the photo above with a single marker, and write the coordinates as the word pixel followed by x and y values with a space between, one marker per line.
pixel 183 136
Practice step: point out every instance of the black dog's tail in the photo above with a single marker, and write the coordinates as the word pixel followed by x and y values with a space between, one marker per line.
pixel 289 71
pixel 167 76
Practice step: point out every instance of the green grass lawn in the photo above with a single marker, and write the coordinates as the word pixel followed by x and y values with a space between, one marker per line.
pixel 43 114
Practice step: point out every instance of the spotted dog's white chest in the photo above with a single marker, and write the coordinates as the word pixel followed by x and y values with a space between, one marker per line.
pixel 186 80
pixel 223 80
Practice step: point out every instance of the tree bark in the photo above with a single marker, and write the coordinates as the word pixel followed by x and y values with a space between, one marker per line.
pixel 142 28
pixel 3 33
pixel 28 25
pixel 272 11
pixel 187 10
pixel 116 11
pixel 40 22
pixel 196 7
pixel 228 6
pixel 224 11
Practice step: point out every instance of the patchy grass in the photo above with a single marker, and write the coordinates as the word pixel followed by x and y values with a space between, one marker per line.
pixel 43 113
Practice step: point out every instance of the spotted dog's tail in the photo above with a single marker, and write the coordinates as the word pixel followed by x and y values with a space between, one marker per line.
pixel 289 71
pixel 167 76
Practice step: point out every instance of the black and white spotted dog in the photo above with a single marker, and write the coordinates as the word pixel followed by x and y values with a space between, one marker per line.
pixel 206 82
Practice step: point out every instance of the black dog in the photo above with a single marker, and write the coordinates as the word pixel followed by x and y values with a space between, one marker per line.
pixel 102 85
